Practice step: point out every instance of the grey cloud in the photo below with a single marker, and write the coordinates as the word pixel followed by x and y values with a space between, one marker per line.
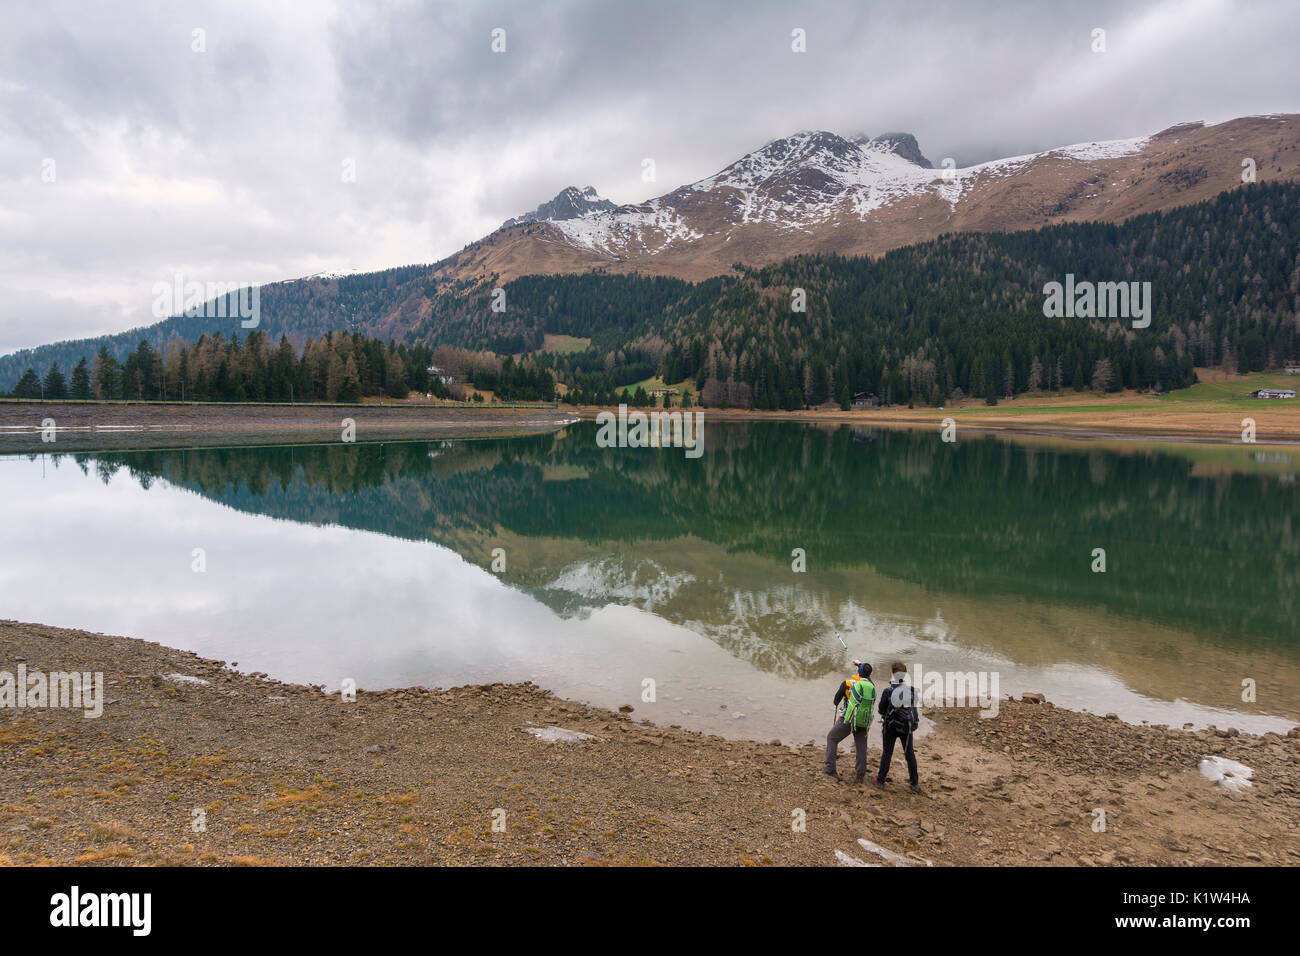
pixel 228 163
pixel 23 313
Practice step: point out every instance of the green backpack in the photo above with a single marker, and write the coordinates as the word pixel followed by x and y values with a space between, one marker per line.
pixel 858 704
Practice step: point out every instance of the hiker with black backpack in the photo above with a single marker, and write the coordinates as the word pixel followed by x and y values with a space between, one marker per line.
pixel 899 717
pixel 857 694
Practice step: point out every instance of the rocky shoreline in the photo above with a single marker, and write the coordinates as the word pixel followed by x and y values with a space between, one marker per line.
pixel 510 774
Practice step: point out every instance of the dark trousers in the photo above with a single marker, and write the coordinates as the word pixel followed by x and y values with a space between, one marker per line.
pixel 887 751
pixel 838 733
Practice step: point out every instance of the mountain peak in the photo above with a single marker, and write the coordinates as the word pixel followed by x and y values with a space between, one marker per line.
pixel 569 203
pixel 800 145
pixel 903 145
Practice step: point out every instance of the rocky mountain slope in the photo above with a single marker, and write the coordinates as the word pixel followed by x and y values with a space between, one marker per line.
pixel 571 203
pixel 817 192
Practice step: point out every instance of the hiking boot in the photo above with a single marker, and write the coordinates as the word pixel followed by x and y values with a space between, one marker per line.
pixel 916 788
pixel 831 773
pixel 878 782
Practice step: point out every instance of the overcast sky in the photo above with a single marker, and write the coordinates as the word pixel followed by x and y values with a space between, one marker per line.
pixel 227 164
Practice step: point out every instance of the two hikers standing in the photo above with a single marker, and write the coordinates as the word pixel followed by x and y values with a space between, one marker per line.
pixel 899 719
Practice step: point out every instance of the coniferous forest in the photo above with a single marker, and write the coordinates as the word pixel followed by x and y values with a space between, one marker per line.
pixel 959 316
pixel 337 367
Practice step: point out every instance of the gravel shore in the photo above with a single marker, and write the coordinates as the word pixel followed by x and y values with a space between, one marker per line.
pixel 286 774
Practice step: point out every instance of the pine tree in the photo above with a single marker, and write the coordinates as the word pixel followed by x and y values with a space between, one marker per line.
pixel 56 386
pixel 29 386
pixel 81 381
pixel 105 378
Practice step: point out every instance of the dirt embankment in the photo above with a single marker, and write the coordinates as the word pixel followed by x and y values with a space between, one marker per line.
pixel 287 774
pixel 1276 422
pixel 92 426
pixel 89 426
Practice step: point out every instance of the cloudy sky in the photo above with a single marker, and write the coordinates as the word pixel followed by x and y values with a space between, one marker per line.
pixel 133 148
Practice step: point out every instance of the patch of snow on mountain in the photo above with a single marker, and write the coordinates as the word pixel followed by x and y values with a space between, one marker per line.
pixel 629 230
pixel 801 181
pixel 1112 149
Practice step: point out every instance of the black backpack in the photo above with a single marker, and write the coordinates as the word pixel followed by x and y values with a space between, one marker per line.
pixel 902 717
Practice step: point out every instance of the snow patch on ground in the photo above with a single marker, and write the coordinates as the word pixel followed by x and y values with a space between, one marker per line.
pixel 846 860
pixel 558 735
pixel 889 856
pixel 185 679
pixel 1225 773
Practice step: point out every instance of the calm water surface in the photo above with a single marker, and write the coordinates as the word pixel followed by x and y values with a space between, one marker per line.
pixel 375 562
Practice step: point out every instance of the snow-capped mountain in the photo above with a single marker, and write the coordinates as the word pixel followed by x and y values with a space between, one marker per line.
pixel 790 184
pixel 794 185
pixel 570 203
pixel 819 192
pixel 904 144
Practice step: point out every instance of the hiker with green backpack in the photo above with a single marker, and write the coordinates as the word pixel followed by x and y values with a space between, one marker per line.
pixel 858 695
